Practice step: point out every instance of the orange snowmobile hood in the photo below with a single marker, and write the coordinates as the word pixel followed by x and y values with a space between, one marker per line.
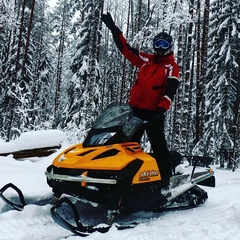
pixel 111 157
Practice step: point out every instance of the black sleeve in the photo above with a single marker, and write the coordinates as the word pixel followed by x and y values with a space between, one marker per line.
pixel 171 88
pixel 116 32
pixel 134 50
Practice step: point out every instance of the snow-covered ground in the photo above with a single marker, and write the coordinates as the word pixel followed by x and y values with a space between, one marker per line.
pixel 217 219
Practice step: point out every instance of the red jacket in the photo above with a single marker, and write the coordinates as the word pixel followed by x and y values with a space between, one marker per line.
pixel 157 80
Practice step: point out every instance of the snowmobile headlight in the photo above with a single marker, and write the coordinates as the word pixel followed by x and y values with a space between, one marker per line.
pixel 61 158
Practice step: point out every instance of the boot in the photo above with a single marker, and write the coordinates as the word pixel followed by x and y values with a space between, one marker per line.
pixel 165 186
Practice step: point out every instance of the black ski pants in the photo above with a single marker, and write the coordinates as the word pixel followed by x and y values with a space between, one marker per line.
pixel 155 131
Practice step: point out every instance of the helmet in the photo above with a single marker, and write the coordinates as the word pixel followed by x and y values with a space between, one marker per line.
pixel 162 44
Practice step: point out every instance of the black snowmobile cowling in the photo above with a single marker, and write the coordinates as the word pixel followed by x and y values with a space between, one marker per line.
pixel 109 169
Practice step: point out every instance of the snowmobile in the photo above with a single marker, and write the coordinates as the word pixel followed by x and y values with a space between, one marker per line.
pixel 109 169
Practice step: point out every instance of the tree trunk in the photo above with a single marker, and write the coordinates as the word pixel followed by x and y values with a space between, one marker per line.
pixel 59 66
pixel 123 83
pixel 204 49
pixel 28 38
pixel 198 80
pixel 189 69
pixel 12 103
pixel 236 121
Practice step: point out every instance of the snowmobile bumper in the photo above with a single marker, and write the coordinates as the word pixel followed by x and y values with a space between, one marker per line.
pixel 111 188
pixel 81 179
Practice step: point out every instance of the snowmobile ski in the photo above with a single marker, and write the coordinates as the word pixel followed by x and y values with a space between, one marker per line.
pixel 14 198
pixel 19 205
pixel 186 195
pixel 77 227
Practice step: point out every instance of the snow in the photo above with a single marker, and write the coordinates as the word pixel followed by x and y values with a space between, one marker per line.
pixel 217 219
pixel 52 3
pixel 32 140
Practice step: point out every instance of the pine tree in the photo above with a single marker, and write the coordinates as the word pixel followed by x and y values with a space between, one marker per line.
pixel 18 74
pixel 84 93
pixel 41 86
pixel 223 75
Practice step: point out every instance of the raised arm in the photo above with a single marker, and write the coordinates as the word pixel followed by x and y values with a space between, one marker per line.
pixel 129 52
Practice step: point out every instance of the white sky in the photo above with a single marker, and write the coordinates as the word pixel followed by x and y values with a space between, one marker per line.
pixel 52 3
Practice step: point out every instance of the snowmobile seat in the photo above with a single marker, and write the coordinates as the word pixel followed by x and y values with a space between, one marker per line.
pixel 201 161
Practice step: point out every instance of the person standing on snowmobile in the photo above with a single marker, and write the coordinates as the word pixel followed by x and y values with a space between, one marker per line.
pixel 152 94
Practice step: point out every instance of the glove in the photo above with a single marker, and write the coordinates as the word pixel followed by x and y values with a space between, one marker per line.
pixel 165 102
pixel 107 19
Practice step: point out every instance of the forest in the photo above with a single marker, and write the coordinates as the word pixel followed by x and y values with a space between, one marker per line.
pixel 59 67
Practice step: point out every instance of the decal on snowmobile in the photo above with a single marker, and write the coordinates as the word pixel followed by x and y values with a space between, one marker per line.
pixel 146 175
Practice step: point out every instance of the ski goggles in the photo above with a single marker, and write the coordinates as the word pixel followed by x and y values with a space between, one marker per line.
pixel 161 43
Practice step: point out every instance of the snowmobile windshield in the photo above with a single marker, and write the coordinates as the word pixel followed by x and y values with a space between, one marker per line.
pixel 116 114
pixel 115 125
